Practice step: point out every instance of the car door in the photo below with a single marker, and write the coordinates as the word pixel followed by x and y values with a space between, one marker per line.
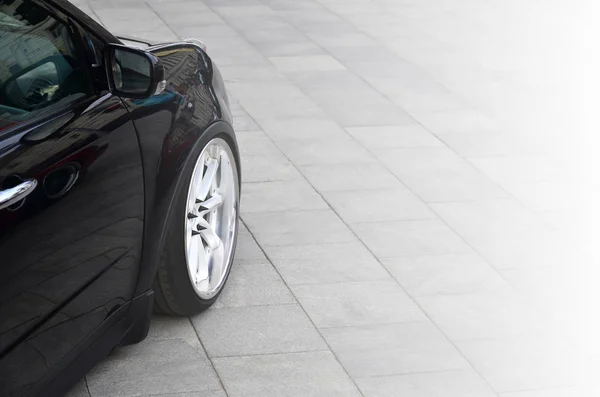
pixel 71 195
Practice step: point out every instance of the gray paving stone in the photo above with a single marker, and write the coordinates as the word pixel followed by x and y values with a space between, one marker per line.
pixel 280 196
pixel 438 174
pixel 315 374
pixel 298 228
pixel 356 303
pixel 243 122
pixel 456 383
pixel 169 327
pixel 505 233
pixel 338 151
pixel 484 315
pixel 153 367
pixel 409 238
pixel 560 392
pixel 247 250
pixel 445 274
pixel 256 143
pixel 457 121
pixel 377 205
pixel 254 284
pixel 388 349
pixel 208 393
pixel 268 168
pixel 285 48
pixel 368 115
pixel 394 137
pixel 291 64
pixel 322 263
pixel 302 130
pixel 350 96
pixel 330 80
pixel 518 364
pixel 506 170
pixel 257 330
pixel 335 177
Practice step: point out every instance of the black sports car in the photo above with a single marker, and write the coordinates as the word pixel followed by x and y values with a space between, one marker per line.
pixel 119 190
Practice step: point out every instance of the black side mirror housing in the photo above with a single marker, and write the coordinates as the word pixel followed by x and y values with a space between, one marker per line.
pixel 133 73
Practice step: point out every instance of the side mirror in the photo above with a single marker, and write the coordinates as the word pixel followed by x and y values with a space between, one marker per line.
pixel 133 73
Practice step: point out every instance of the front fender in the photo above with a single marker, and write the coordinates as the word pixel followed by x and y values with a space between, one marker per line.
pixel 170 126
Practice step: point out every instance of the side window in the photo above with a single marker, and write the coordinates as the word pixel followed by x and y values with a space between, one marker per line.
pixel 40 69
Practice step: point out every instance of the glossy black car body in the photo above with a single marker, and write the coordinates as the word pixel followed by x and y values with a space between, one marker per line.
pixel 78 256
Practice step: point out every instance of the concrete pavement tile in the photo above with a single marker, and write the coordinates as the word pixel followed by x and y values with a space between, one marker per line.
pixel 445 274
pixel 208 393
pixel 522 363
pixel 505 233
pixel 356 303
pixel 439 174
pixel 244 123
pixel 257 330
pixel 560 392
pixel 368 115
pixel 275 49
pixel 322 263
pixel 394 137
pixel 256 143
pixel 247 250
pixel 294 64
pixel 351 52
pixel 254 284
pixel 336 177
pixel 342 150
pixel 315 374
pixel 484 315
pixel 457 121
pixel 153 367
pixel 169 327
pixel 268 168
pixel 349 97
pixel 506 170
pixel 280 196
pixel 298 228
pixel 377 205
pixel 388 349
pixel 456 383
pixel 303 130
pixel 409 238
pixel 330 80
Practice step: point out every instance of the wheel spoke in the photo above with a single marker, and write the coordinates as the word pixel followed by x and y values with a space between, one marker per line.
pixel 208 179
pixel 211 204
pixel 217 263
pixel 211 239
pixel 224 180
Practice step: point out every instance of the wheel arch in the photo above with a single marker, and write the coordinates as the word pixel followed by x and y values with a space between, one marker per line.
pixel 161 213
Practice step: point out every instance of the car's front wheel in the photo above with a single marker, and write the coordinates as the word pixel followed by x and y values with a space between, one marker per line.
pixel 201 241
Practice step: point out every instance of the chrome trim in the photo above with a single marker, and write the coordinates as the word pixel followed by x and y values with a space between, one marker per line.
pixel 15 194
pixel 175 44
pixel 197 42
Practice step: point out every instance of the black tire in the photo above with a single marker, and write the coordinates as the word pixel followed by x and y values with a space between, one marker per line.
pixel 174 293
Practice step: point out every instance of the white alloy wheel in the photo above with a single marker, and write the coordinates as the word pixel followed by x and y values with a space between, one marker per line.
pixel 211 218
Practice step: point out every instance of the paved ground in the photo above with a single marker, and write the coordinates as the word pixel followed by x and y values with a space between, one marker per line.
pixel 417 206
